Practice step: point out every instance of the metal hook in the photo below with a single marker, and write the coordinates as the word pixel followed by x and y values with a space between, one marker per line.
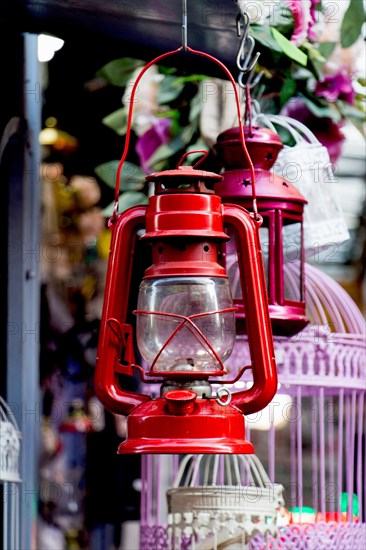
pixel 250 81
pixel 245 64
pixel 242 18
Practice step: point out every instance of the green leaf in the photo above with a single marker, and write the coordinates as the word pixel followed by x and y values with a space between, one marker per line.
pixel 126 200
pixel 174 146
pixel 316 59
pixel 192 78
pixel 201 145
pixel 299 73
pixel 263 35
pixel 196 107
pixel 119 71
pixel 349 111
pixel 292 51
pixel 314 53
pixel 170 89
pixel 318 56
pixel 163 152
pixel 117 121
pixel 352 23
pixel 166 70
pixel 132 177
pixel 326 49
pixel 359 125
pixel 282 18
pixel 288 90
pixel 174 115
pixel 322 110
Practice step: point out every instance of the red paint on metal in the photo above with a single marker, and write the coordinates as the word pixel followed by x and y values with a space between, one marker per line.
pixel 280 203
pixel 180 401
pixel 187 211
pixel 259 331
pixel 210 428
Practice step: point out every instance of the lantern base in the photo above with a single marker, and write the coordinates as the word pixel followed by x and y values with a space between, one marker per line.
pixel 285 320
pixel 209 428
pixel 288 327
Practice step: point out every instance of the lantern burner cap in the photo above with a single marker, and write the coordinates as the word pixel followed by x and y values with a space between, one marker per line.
pixel 183 365
pixel 201 387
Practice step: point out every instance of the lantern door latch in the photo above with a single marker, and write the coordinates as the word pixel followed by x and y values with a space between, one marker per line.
pixel 126 357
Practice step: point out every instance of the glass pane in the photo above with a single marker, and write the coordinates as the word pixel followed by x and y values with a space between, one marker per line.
pixel 178 342
pixel 232 260
pixel 292 264
pixel 264 237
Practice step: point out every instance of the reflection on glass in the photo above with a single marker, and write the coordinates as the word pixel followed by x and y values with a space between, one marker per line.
pixel 292 254
pixel 232 260
pixel 179 343
pixel 264 238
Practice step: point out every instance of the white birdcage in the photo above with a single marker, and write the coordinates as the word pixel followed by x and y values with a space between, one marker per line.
pixel 220 501
pixel 311 438
pixel 9 445
pixel 308 167
pixel 9 475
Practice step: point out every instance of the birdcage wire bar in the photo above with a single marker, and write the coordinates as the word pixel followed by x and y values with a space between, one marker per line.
pixel 9 476
pixel 322 370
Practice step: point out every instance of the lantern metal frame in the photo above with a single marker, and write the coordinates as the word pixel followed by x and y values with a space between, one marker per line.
pixel 179 421
pixel 323 369
pixel 223 426
pixel 278 201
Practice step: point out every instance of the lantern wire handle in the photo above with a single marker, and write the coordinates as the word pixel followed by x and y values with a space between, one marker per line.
pixel 248 109
pixel 203 151
pixel 184 25
pixel 129 123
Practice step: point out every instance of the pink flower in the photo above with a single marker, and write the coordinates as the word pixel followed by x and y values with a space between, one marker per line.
pixel 312 35
pixel 336 86
pixel 302 19
pixel 149 142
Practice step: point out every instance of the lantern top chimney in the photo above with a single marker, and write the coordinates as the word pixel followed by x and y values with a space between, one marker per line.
pixel 184 179
pixel 263 147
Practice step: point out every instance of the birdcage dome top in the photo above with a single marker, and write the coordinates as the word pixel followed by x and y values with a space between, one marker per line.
pixel 330 352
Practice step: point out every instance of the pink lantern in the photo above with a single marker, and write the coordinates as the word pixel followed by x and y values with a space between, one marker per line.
pixel 281 206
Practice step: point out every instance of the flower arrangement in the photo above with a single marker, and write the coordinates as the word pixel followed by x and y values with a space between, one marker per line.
pixel 309 52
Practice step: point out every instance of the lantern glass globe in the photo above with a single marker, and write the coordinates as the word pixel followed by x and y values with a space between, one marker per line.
pixel 176 315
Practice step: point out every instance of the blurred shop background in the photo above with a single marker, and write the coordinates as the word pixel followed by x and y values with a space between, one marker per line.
pixel 87 497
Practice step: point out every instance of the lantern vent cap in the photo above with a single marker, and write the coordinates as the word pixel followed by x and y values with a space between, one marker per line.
pixel 252 134
pixel 184 172
pixel 185 179
pixel 236 185
pixel 263 146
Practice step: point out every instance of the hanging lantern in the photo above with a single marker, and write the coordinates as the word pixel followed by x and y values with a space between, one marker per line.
pixel 185 320
pixel 185 328
pixel 281 206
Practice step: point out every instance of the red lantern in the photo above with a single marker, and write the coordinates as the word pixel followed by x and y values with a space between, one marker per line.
pixel 185 320
pixel 281 206
pixel 185 315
